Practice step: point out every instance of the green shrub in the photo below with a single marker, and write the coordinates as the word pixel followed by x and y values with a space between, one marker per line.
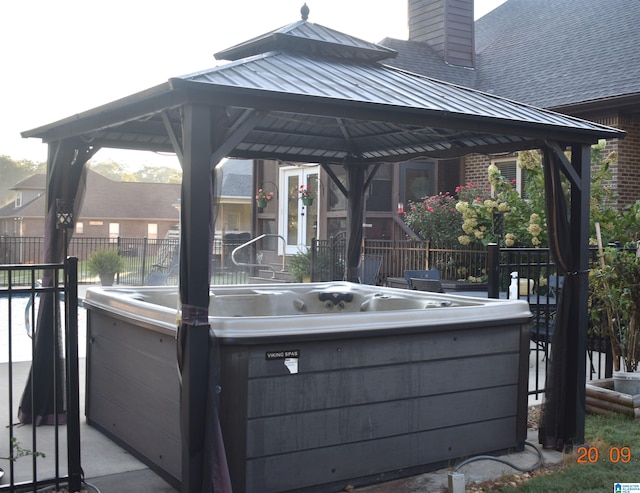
pixel 106 261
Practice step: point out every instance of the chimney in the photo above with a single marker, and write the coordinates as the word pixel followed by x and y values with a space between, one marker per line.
pixel 447 26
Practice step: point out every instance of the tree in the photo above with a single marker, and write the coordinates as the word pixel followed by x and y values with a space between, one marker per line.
pixel 148 174
pixel 501 215
pixel 11 172
pixel 158 174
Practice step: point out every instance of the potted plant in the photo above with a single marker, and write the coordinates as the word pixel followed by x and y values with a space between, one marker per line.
pixel 305 194
pixel 106 264
pixel 300 266
pixel 263 198
pixel 615 312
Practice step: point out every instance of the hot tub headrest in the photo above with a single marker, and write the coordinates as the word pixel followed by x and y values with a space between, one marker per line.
pixel 335 297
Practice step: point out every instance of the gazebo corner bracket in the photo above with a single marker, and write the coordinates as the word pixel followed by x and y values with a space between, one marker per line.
pixel 236 134
pixel 565 164
pixel 173 137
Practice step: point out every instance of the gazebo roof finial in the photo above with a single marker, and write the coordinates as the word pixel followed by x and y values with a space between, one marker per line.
pixel 305 12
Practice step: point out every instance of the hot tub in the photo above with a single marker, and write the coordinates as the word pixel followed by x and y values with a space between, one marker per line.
pixel 323 384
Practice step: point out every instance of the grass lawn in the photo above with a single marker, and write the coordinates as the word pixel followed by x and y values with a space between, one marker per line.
pixel 612 455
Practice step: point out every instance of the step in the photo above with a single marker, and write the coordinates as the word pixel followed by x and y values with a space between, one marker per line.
pixel 277 274
pixel 265 280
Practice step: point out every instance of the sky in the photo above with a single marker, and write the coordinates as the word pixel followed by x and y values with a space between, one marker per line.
pixel 62 57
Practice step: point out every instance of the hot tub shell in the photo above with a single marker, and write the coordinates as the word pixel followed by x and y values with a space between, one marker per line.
pixel 323 385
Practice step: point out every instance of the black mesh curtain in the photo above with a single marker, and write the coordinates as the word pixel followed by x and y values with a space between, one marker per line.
pixel 43 398
pixel 556 430
pixel 355 216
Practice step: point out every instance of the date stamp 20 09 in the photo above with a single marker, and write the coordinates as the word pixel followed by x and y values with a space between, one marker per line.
pixel 614 455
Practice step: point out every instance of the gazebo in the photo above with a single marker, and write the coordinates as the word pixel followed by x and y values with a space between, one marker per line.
pixel 306 93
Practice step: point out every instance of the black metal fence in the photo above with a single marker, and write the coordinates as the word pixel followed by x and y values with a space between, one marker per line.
pixel 144 259
pixel 32 456
pixel 539 283
pixel 328 259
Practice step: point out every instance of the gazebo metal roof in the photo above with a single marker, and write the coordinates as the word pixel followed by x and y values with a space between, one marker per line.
pixel 321 96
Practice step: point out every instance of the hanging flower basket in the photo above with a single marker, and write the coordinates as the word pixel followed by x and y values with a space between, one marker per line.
pixel 305 194
pixel 262 197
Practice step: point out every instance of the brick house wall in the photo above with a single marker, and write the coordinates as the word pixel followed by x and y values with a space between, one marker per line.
pixel 475 170
pixel 625 174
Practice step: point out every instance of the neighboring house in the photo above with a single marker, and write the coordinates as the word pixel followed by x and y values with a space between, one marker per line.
pixel 110 209
pixel 577 57
pixel 235 198
pixel 129 209
pixel 115 209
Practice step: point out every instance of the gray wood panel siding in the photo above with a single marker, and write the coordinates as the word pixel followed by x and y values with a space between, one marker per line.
pixel 338 465
pixel 359 408
pixel 133 390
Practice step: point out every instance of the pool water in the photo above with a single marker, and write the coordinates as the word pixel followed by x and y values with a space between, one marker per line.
pixel 21 343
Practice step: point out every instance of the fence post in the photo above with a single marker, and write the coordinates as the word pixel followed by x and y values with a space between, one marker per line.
pixel 427 249
pixel 73 380
pixel 314 258
pixel 493 270
pixel 144 261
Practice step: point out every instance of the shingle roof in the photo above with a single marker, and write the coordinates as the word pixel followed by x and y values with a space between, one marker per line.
pixel 107 198
pixel 237 178
pixel 551 53
pixel 419 57
pixel 547 53
pixel 37 181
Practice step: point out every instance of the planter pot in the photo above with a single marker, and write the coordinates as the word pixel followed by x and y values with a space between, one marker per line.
pixel 262 203
pixel 307 201
pixel 107 279
pixel 601 398
pixel 626 382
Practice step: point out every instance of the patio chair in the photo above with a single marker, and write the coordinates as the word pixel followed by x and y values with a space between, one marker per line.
pixel 420 274
pixel 161 273
pixel 422 284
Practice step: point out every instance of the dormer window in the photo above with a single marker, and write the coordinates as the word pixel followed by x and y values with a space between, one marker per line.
pixel 18 202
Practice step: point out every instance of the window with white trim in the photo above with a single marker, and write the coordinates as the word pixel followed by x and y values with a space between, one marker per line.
pixel 114 231
pixel 511 171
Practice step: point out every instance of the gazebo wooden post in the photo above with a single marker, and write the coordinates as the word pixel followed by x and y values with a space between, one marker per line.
pixel 580 231
pixel 194 291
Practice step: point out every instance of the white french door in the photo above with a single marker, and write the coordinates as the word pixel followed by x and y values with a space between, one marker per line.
pixel 298 222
